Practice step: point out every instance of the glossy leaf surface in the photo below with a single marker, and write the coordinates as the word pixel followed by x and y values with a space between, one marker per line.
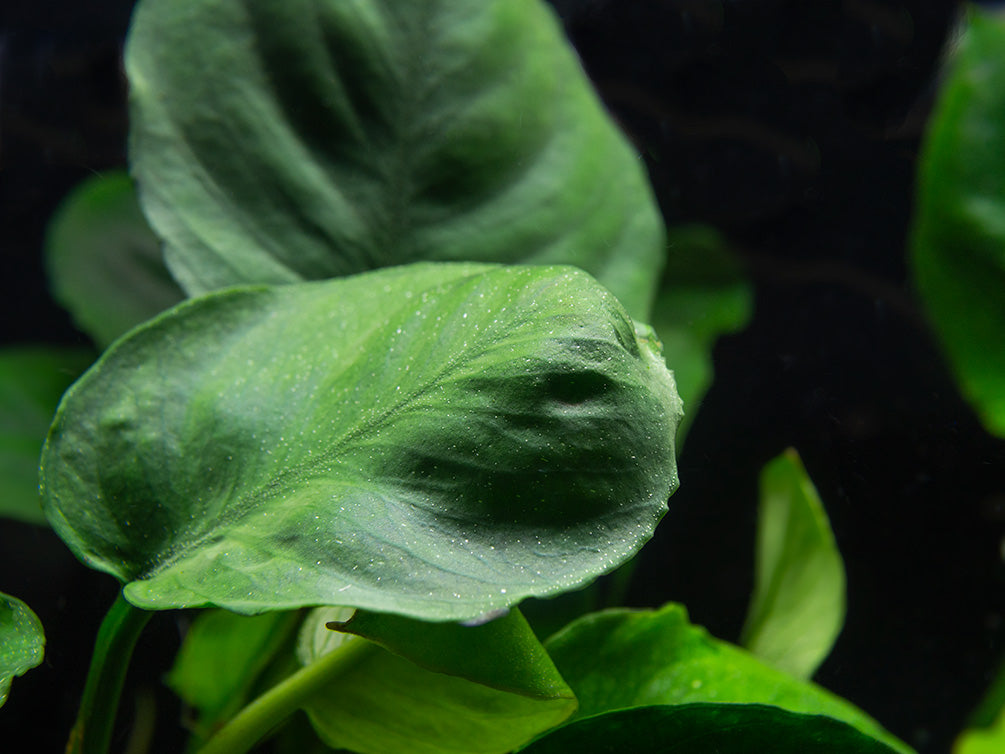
pixel 703 296
pixel 222 655
pixel 959 234
pixel 707 729
pixel 442 687
pixel 22 642
pixel 433 440
pixel 31 383
pixel 798 606
pixel 105 264
pixel 618 659
pixel 293 140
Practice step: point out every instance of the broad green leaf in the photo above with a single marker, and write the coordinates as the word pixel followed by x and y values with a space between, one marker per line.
pixel 31 381
pixel 105 264
pixel 707 729
pixel 222 655
pixel 618 659
pixel 437 440
pixel 959 233
pixel 22 642
pixel 798 606
pixel 439 687
pixel 704 295
pixel 285 140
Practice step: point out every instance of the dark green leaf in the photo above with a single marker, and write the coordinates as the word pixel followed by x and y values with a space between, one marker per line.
pixel 286 140
pixel 222 655
pixel 439 687
pixel 31 382
pixel 434 440
pixel 707 729
pixel 22 642
pixel 799 589
pixel 704 295
pixel 104 262
pixel 959 234
pixel 619 659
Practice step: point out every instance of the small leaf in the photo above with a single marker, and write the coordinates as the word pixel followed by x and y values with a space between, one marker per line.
pixel 704 295
pixel 437 440
pixel 22 642
pixel 618 659
pixel 299 140
pixel 442 687
pixel 32 379
pixel 798 606
pixel 104 262
pixel 959 233
pixel 222 655
pixel 990 740
pixel 707 729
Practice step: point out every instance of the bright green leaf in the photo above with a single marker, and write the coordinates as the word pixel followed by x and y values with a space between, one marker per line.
pixel 22 642
pixel 704 295
pixel 285 140
pixel 104 262
pixel 222 655
pixel 31 381
pixel 440 687
pixel 959 234
pixel 989 740
pixel 707 729
pixel 798 606
pixel 434 440
pixel 619 659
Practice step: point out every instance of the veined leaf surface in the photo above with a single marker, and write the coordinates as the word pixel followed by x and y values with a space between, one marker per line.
pixel 436 440
pixel 285 140
pixel 619 659
pixel 22 642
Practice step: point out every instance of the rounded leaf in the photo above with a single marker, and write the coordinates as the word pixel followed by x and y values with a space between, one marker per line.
pixel 434 440
pixel 283 140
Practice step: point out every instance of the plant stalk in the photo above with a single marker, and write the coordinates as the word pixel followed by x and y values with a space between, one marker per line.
pixel 255 721
pixel 92 732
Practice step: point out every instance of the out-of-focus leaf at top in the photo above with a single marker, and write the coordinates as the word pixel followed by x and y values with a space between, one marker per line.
pixel 433 688
pixel 285 140
pixel 22 642
pixel 704 295
pixel 436 440
pixel 105 264
pixel 959 233
pixel 32 379
pixel 798 606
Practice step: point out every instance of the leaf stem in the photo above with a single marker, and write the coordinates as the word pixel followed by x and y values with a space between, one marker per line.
pixel 263 715
pixel 92 732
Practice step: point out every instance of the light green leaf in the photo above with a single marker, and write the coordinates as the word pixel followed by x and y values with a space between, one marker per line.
pixel 618 659
pixel 105 264
pixel 959 234
pixel 31 381
pixel 222 655
pixel 798 606
pixel 707 729
pixel 440 687
pixel 989 740
pixel 704 295
pixel 434 440
pixel 22 642
pixel 285 140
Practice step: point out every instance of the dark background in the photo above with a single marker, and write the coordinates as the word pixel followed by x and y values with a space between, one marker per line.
pixel 792 126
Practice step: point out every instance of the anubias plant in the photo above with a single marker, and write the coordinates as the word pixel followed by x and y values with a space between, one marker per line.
pixel 390 379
